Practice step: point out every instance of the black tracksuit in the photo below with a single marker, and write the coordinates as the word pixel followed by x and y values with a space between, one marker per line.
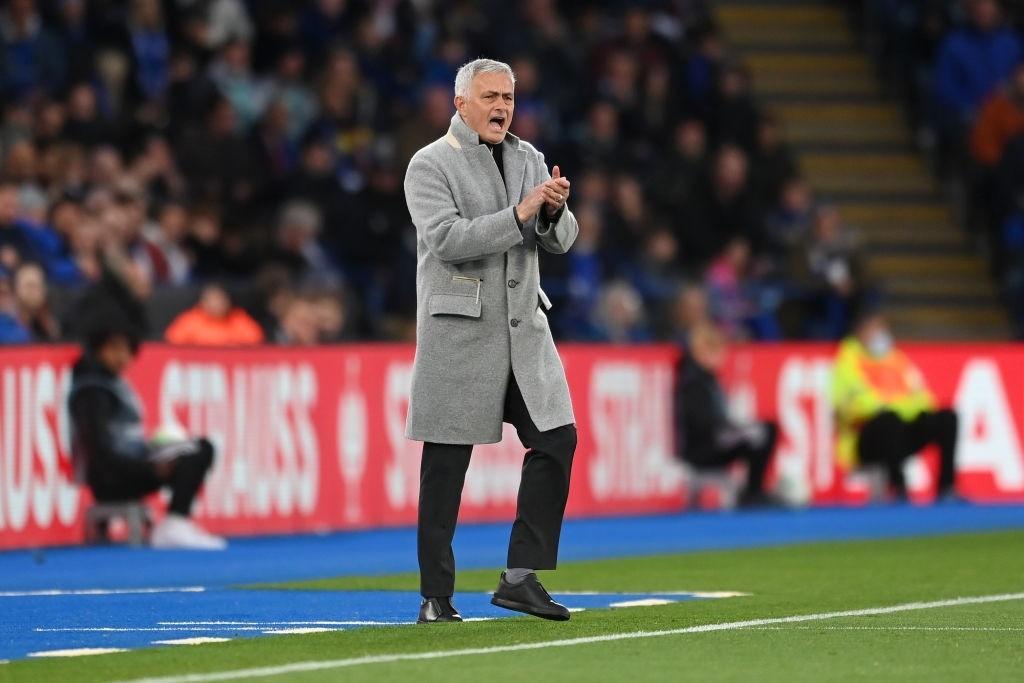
pixel 887 440
pixel 707 438
pixel 109 448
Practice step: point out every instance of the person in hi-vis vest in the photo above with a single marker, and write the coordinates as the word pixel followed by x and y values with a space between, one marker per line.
pixel 884 410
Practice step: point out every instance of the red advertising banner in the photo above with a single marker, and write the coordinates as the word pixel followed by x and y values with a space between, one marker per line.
pixel 313 439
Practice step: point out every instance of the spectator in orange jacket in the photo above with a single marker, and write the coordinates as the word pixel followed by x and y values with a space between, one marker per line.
pixel 214 321
pixel 1001 120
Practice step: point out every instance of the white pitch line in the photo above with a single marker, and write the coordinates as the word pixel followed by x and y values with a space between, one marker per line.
pixel 301 667
pixel 200 640
pixel 299 630
pixel 279 623
pixel 889 628
pixel 691 594
pixel 646 602
pixel 153 629
pixel 99 591
pixel 77 652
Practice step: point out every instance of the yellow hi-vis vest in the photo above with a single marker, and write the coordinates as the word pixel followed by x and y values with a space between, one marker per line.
pixel 863 386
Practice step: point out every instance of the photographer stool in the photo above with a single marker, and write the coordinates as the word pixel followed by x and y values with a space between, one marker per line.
pixel 135 514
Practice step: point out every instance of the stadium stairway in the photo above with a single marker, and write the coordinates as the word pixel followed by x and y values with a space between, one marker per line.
pixel 810 69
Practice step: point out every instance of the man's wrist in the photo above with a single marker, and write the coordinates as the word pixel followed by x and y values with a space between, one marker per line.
pixel 553 217
pixel 515 214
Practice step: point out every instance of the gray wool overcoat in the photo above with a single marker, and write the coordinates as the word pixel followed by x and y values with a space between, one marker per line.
pixel 480 311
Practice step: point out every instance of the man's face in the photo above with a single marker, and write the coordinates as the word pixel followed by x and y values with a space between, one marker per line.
pixel 691 307
pixel 116 354
pixel 870 327
pixel 300 323
pixel 985 14
pixel 709 352
pixel 1018 82
pixel 731 170
pixel 215 302
pixel 30 288
pixel 691 139
pixel 8 204
pixel 488 107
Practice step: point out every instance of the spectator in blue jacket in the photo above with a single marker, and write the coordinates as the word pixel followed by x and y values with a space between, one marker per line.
pixel 973 60
pixel 22 241
pixel 151 48
pixel 620 317
pixel 31 57
pixel 11 329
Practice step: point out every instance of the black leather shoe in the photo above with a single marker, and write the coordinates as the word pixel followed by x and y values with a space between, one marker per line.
pixel 437 609
pixel 529 597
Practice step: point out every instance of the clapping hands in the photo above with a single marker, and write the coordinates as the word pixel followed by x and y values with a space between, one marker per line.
pixel 556 192
pixel 551 195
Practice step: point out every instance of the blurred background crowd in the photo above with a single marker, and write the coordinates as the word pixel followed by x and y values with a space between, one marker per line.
pixel 959 69
pixel 230 171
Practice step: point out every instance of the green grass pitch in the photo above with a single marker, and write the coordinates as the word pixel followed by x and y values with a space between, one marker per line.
pixel 976 642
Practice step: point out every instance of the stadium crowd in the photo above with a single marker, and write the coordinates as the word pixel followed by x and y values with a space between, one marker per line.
pixel 959 65
pixel 247 158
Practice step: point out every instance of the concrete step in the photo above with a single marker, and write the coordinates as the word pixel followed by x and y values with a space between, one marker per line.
pixel 770 15
pixel 974 301
pixel 930 266
pixel 888 215
pixel 845 113
pixel 802 63
pixel 773 86
pixel 846 134
pixel 915 330
pixel 923 316
pixel 813 75
pixel 894 164
pixel 840 184
pixel 903 240
pixel 748 37
pixel 855 172
pixel 925 288
pixel 848 124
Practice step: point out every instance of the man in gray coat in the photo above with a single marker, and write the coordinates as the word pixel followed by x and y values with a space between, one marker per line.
pixel 483 201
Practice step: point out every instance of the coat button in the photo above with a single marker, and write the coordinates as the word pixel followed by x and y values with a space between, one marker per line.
pixel 512 283
pixel 514 322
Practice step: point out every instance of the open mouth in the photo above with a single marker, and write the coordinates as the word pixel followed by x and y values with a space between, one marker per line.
pixel 497 122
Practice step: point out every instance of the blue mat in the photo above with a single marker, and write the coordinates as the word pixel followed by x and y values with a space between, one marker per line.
pixel 262 559
pixel 126 621
pixel 40 609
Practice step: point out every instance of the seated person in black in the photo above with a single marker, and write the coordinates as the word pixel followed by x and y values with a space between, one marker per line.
pixel 109 448
pixel 708 437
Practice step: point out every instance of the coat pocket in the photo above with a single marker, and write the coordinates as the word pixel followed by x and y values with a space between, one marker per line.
pixel 544 300
pixel 454 304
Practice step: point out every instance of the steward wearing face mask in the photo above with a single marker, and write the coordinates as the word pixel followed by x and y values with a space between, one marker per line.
pixel 884 410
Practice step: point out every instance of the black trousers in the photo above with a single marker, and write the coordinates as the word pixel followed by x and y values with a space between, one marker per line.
pixel 543 491
pixel 113 484
pixel 756 457
pixel 889 441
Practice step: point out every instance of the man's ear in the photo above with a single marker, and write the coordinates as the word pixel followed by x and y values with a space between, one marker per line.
pixel 459 101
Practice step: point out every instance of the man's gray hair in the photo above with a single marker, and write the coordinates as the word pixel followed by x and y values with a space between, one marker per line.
pixel 469 71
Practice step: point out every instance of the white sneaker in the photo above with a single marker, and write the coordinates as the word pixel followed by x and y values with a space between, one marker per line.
pixel 177 532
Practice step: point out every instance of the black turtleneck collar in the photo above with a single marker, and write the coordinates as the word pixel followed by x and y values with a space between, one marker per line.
pixel 496 152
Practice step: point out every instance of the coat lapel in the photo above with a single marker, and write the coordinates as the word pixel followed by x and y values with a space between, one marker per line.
pixel 481 163
pixel 514 158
